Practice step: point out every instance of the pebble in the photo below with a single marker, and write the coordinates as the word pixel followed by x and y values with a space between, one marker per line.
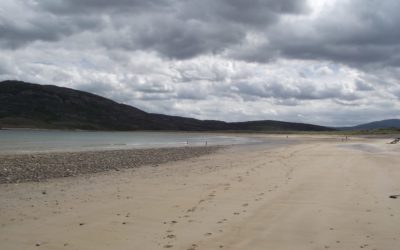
pixel 15 168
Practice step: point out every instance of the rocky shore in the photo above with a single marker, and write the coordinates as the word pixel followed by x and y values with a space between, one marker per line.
pixel 16 168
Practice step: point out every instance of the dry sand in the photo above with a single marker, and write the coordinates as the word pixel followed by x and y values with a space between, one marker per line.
pixel 318 194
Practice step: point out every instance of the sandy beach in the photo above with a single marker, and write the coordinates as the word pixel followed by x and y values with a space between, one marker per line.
pixel 317 193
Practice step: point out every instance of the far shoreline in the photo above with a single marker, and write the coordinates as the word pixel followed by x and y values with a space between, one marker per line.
pixel 373 133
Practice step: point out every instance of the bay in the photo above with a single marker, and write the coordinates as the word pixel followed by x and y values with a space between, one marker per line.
pixel 27 140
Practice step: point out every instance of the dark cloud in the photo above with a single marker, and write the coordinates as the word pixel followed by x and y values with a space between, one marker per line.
pixel 74 7
pixel 396 92
pixel 187 39
pixel 251 13
pixel 363 86
pixel 21 25
pixel 203 27
pixel 357 33
pixel 172 28
pixel 191 28
pixel 14 34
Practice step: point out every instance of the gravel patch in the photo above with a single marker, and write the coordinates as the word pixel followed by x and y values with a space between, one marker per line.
pixel 16 168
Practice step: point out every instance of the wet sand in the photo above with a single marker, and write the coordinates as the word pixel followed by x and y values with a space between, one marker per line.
pixel 315 194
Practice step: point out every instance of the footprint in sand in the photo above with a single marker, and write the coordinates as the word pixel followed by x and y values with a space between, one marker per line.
pixel 221 221
pixel 193 247
pixel 211 195
pixel 171 222
pixel 191 210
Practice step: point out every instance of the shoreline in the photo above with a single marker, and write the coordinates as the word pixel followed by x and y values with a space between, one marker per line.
pixel 80 141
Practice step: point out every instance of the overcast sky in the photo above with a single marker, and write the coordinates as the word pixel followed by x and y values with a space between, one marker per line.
pixel 328 62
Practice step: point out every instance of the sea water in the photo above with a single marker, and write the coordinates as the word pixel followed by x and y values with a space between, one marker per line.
pixel 24 140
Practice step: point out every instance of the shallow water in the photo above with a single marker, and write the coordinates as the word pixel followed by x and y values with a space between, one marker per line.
pixel 21 140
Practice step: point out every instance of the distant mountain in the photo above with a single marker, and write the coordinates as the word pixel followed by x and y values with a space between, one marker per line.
pixel 46 106
pixel 390 123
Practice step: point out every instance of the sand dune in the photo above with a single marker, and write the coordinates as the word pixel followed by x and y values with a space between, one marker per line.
pixel 315 194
